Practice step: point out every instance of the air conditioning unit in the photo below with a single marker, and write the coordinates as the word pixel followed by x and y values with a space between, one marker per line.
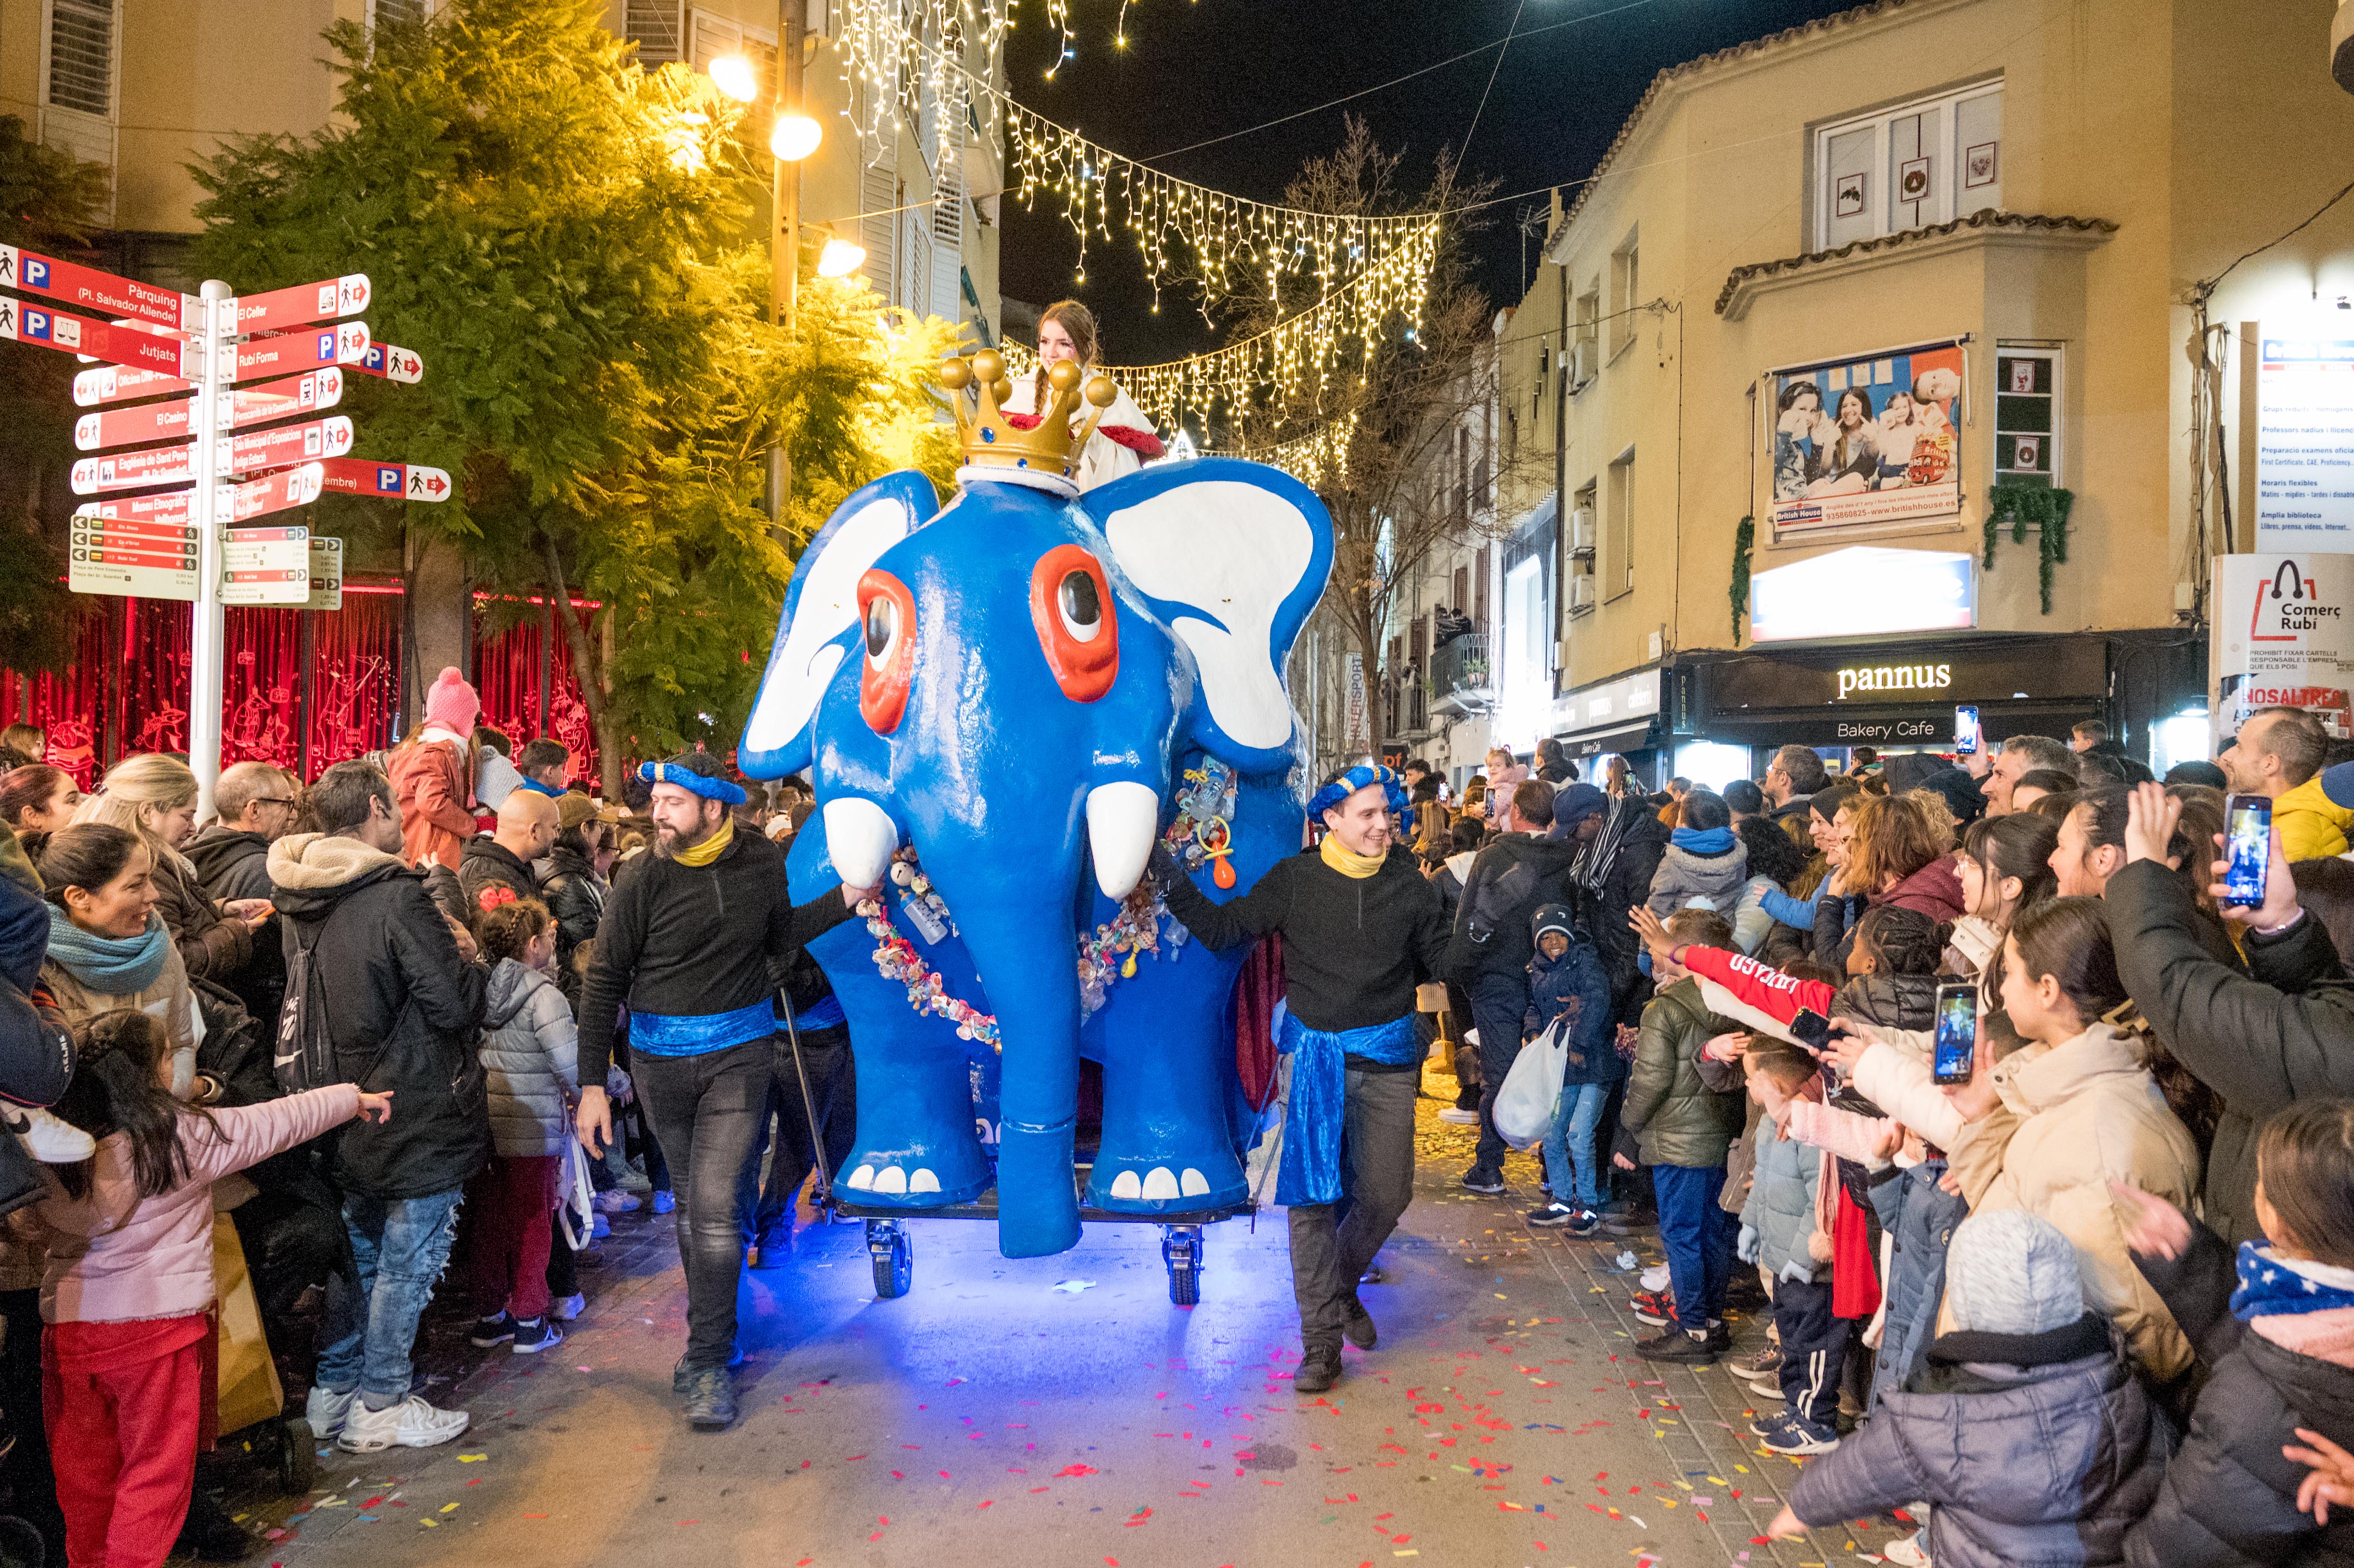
pixel 1561 654
pixel 1581 529
pixel 1581 362
pixel 1581 592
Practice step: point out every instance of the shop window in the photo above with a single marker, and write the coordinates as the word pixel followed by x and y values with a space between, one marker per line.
pixel 1928 161
pixel 1619 522
pixel 2026 415
pixel 1626 294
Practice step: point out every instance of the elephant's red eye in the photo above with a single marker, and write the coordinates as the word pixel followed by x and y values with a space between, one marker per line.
pixel 1071 606
pixel 887 614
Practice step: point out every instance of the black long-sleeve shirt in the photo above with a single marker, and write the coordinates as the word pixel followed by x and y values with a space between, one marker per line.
pixel 687 940
pixel 1354 947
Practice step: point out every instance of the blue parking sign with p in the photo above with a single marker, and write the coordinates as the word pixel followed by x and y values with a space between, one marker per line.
pixel 37 272
pixel 387 481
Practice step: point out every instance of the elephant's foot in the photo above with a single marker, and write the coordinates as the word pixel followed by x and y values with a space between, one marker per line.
pixel 1136 1187
pixel 921 1181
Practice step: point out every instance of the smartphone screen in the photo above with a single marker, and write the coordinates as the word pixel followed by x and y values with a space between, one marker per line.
pixel 1966 728
pixel 1957 1032
pixel 1810 1029
pixel 2248 843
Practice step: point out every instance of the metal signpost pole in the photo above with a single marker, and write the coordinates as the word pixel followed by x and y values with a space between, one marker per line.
pixel 205 650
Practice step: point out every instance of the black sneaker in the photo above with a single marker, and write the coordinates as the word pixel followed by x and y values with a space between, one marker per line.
pixel 1359 1326
pixel 772 1248
pixel 210 1535
pixel 491 1332
pixel 1553 1215
pixel 1720 1335
pixel 1585 1223
pixel 710 1399
pixel 1318 1370
pixel 1676 1345
pixel 533 1335
pixel 1481 1180
pixel 682 1376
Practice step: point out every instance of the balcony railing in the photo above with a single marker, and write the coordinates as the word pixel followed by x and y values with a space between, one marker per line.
pixel 1462 680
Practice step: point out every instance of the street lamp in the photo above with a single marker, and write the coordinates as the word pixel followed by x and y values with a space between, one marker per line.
pixel 840 258
pixel 795 137
pixel 737 77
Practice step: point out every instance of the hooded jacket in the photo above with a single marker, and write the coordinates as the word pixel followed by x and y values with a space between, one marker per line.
pixel 530 1061
pixel 1671 1106
pixel 1684 875
pixel 2229 1499
pixel 2089 1114
pixel 2310 824
pixel 404 1010
pixel 1781 1206
pixel 1917 1216
pixel 1574 978
pixel 2034 1450
pixel 1512 878
pixel 1890 1001
pixel 1934 890
pixel 2282 1032
pixel 231 862
pixel 429 783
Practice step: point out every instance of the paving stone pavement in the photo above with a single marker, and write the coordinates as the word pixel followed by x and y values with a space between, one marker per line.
pixel 1060 1411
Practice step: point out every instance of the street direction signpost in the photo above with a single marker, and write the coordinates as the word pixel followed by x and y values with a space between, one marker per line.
pixel 180 544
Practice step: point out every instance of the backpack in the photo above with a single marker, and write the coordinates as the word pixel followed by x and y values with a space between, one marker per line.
pixel 305 1059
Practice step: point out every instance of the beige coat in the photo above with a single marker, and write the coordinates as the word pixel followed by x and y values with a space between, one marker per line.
pixel 167 998
pixel 2089 1114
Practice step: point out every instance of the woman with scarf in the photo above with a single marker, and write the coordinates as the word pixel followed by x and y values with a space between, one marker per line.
pixel 154 796
pixel 109 950
pixel 1362 929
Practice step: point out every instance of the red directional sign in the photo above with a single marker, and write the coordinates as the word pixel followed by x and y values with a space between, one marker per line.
pixel 21 323
pixel 113 384
pixel 301 350
pixel 391 363
pixel 277 492
pixel 305 303
pixel 296 395
pixel 414 481
pixel 148 466
pixel 29 272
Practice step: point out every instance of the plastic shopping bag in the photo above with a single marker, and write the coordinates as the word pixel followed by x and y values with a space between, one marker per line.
pixel 1524 1105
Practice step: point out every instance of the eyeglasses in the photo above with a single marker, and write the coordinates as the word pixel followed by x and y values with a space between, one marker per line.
pixel 272 800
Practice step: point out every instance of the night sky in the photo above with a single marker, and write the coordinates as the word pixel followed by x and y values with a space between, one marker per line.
pixel 1198 69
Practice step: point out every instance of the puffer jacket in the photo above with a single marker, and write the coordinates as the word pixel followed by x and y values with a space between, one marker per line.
pixel 1670 1105
pixel 2311 825
pixel 1779 1216
pixel 1576 978
pixel 1683 876
pixel 576 897
pixel 2090 1115
pixel 1918 1218
pixel 1890 1001
pixel 2230 1497
pixel 487 863
pixel 531 1060
pixel 2282 1032
pixel 2033 1450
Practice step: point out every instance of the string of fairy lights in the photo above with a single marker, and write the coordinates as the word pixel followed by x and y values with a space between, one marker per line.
pixel 913 68
pixel 1297 359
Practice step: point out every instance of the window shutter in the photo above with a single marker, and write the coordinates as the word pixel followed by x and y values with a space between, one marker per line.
pixel 879 193
pixel 948 241
pixel 711 37
pixel 81 56
pixel 659 29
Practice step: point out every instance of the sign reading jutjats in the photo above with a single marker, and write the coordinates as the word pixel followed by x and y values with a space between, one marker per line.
pixel 1867 441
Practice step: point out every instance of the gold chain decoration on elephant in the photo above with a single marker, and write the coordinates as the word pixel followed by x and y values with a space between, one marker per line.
pixel 1201 834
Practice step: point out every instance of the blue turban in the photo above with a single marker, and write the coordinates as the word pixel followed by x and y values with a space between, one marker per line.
pixel 694 783
pixel 1361 776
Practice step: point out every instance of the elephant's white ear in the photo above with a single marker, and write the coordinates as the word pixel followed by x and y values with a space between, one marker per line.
pixel 1233 555
pixel 813 635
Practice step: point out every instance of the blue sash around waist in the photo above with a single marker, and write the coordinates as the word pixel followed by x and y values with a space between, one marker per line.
pixel 1314 1115
pixel 696 1033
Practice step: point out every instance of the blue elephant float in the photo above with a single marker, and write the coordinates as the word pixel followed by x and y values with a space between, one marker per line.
pixel 1002 705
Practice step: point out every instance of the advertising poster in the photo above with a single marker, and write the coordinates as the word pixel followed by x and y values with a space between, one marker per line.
pixel 2283 637
pixel 1869 441
pixel 2304 442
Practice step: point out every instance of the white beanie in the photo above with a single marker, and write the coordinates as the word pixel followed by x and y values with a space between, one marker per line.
pixel 2010 1272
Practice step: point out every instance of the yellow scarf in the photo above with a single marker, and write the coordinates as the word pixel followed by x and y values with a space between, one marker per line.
pixel 1346 860
pixel 708 850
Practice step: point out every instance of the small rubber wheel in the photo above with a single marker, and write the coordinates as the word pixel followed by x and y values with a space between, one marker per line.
pixel 896 1270
pixel 1184 1284
pixel 298 1457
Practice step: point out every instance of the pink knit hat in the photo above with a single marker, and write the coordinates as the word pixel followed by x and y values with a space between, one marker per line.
pixel 451 703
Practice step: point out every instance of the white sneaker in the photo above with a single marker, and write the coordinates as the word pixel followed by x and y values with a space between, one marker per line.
pixel 614 1203
pixel 564 1308
pixel 1656 1276
pixel 48 1139
pixel 412 1424
pixel 1459 1117
pixel 1906 1551
pixel 326 1409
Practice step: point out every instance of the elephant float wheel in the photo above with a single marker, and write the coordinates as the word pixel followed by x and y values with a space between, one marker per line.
pixel 1181 1249
pixel 895 1257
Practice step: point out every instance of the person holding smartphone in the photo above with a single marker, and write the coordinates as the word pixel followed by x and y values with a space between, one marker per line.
pixel 2282 1031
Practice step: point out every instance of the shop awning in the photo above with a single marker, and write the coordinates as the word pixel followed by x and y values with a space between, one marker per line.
pixel 1597 743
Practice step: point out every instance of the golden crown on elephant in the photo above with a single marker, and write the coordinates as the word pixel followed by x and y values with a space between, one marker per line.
pixel 990 438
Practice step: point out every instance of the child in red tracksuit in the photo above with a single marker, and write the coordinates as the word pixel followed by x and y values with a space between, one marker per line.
pixel 128 1358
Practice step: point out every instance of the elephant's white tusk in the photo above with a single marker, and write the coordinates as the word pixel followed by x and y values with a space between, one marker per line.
pixel 1122 819
pixel 860 839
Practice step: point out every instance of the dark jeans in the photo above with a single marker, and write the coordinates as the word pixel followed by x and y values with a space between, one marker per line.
pixel 400 1245
pixel 1698 1235
pixel 832 1085
pixel 1499 1005
pixel 1814 1343
pixel 25 1470
pixel 1332 1244
pixel 707 1110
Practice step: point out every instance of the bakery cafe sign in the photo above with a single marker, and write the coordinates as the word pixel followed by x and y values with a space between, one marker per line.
pixel 1878 680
